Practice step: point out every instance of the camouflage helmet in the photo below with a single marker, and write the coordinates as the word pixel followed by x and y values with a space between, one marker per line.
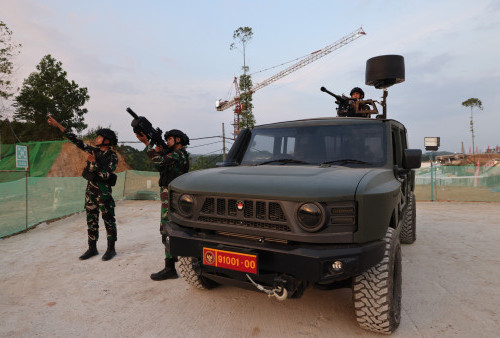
pixel 177 133
pixel 108 134
pixel 358 90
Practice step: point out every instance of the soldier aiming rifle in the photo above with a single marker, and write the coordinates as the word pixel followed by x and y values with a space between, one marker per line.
pixel 99 173
pixel 172 160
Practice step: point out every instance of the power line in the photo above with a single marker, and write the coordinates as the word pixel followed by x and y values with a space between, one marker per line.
pixel 202 138
pixel 202 145
pixel 191 139
pixel 12 130
pixel 213 152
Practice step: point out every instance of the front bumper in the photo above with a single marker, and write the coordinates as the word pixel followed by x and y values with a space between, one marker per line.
pixel 303 261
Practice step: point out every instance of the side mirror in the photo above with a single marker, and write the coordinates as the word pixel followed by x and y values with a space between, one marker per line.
pixel 412 158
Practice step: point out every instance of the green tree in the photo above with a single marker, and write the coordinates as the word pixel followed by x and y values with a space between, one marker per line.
pixel 205 161
pixel 247 118
pixel 136 159
pixel 10 131
pixel 8 51
pixel 472 103
pixel 49 91
pixel 91 134
pixel 242 36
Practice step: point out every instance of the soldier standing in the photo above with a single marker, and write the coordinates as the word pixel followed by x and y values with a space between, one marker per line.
pixel 99 172
pixel 171 163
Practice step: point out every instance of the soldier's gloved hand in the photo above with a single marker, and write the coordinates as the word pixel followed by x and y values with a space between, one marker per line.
pixel 143 138
pixel 164 238
pixel 91 157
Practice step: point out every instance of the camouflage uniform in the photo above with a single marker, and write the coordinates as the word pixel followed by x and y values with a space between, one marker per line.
pixel 170 165
pixel 98 193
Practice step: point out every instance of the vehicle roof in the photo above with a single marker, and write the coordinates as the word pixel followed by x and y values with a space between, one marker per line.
pixel 328 121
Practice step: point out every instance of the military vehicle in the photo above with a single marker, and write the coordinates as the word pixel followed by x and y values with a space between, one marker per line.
pixel 321 202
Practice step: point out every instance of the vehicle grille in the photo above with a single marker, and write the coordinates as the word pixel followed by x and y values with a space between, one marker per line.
pixel 259 239
pixel 253 214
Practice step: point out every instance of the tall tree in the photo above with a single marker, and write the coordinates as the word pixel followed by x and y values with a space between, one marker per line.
pixel 8 51
pixel 247 118
pixel 49 91
pixel 242 36
pixel 472 103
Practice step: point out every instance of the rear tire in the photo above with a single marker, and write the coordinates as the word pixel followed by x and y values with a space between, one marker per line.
pixel 190 270
pixel 408 233
pixel 377 292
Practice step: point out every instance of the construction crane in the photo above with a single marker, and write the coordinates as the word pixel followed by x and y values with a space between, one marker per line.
pixel 223 105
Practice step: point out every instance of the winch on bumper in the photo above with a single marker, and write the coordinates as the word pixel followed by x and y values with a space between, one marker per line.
pixel 314 263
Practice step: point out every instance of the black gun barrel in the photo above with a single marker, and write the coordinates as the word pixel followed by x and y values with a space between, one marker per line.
pixel 338 97
pixel 131 112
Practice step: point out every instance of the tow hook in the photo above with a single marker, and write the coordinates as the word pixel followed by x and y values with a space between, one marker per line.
pixel 279 291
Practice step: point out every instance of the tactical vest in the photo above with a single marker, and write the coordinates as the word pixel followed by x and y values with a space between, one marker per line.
pixel 168 175
pixel 102 159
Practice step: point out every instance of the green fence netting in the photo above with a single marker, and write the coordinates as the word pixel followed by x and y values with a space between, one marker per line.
pixel 458 183
pixel 141 185
pixel 28 201
pixel 41 157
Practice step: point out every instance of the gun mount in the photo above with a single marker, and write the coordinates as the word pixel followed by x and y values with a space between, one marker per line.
pixel 350 107
pixel 381 72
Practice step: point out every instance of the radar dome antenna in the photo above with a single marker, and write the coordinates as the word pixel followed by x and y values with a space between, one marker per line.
pixel 382 72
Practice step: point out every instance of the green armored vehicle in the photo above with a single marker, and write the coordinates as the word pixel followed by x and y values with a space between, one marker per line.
pixel 319 202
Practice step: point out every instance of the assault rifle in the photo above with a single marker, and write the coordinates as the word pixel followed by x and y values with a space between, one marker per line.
pixel 141 125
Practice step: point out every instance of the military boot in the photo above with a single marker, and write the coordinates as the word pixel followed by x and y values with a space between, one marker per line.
pixel 110 252
pixel 167 273
pixel 92 251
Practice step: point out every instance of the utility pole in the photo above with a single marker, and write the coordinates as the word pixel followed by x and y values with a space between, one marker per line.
pixel 223 143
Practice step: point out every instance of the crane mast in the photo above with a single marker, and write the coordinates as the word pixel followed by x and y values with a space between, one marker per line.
pixel 220 106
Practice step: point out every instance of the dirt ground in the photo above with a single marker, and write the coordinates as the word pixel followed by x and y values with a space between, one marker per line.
pixel 450 285
pixel 71 161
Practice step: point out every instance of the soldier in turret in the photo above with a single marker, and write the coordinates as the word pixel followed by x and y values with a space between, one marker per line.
pixel 99 172
pixel 171 163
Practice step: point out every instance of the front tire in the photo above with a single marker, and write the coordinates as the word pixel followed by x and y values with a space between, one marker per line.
pixel 190 270
pixel 377 292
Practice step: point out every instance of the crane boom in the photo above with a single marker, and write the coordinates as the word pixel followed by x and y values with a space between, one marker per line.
pixel 303 62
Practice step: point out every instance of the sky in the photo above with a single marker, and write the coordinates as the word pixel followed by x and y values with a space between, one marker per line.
pixel 170 61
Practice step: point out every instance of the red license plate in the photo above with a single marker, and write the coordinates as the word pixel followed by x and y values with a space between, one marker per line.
pixel 230 260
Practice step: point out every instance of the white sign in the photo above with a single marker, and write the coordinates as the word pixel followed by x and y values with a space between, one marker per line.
pixel 21 156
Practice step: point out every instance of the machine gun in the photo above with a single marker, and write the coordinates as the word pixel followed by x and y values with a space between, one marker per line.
pixel 343 102
pixel 141 125
pixel 381 72
pixel 352 107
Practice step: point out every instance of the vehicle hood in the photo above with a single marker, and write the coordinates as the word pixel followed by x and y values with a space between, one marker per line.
pixel 274 182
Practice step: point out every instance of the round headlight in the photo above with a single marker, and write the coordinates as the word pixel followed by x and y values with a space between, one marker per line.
pixel 310 217
pixel 186 203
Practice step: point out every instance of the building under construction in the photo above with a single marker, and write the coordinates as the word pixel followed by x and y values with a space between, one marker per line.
pixel 484 159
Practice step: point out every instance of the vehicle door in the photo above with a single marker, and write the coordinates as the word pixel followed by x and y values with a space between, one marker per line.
pixel 399 144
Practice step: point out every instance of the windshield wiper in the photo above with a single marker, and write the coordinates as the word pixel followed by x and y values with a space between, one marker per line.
pixel 346 161
pixel 284 161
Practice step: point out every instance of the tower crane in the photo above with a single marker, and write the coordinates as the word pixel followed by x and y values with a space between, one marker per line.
pixel 223 105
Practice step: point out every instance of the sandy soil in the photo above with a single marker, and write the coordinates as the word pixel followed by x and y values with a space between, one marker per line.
pixel 71 161
pixel 450 285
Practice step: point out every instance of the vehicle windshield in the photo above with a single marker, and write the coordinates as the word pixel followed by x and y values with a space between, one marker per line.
pixel 357 145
